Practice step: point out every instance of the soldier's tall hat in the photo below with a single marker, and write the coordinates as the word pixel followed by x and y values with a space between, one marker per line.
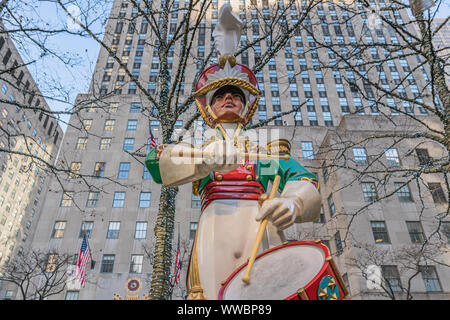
pixel 227 72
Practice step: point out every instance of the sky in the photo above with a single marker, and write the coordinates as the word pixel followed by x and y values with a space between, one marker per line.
pixel 444 10
pixel 65 80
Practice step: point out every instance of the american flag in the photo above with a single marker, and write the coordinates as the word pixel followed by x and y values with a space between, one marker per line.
pixel 177 271
pixel 152 141
pixel 83 258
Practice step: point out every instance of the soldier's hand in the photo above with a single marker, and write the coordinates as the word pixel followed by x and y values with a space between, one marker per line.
pixel 159 149
pixel 222 156
pixel 281 211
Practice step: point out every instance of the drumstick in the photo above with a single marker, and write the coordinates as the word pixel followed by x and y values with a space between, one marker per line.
pixel 247 156
pixel 259 235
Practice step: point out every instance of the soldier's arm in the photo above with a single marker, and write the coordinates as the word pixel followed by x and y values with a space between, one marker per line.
pixel 301 186
pixel 174 171
pixel 299 200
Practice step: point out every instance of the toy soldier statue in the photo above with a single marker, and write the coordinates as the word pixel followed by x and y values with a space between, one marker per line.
pixel 230 175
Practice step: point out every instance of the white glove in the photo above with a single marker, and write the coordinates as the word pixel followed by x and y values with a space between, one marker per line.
pixel 222 156
pixel 299 202
pixel 281 211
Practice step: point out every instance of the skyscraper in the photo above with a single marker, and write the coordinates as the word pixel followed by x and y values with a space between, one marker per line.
pixel 116 207
pixel 30 135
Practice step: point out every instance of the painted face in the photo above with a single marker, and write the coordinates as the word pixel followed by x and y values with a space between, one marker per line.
pixel 227 105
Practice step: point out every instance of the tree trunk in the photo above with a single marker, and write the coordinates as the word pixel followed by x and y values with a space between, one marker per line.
pixel 437 70
pixel 164 228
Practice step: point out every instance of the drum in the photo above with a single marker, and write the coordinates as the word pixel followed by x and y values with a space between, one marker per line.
pixel 301 270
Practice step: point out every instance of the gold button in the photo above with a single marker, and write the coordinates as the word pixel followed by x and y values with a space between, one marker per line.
pixel 249 177
pixel 249 167
pixel 219 177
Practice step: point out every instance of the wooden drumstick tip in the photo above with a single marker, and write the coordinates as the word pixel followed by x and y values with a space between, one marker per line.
pixel 246 279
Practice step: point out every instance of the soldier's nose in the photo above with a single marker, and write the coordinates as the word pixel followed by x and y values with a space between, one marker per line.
pixel 228 96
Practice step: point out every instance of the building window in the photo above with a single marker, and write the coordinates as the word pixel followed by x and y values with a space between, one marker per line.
pixel 146 174
pixel 92 199
pixel 369 191
pixel 132 125
pixel 178 124
pixel 140 232
pixel 346 283
pixel 192 230
pixel 331 205
pixel 430 278
pixel 99 169
pixel 87 124
pixel 9 294
pixel 113 230
pixel 196 201
pixel 325 173
pixel 338 242
pixel 128 144
pixel 321 218
pixel 71 295
pixel 380 232
pixel 392 157
pixel 136 263
pixel 298 118
pixel 154 125
pixel 403 192
pixel 6 58
pixel 307 150
pixel 135 107
pixel 113 107
pixel 437 193
pixel 105 143
pixel 81 143
pixel 109 125
pixel 124 170
pixel 262 115
pixel 144 199
pixel 415 231
pixel 424 157
pixel 360 156
pixel 107 263
pixel 446 229
pixel 52 259
pixel 58 229
pixel 75 168
pixel 67 199
pixel 392 278
pixel 119 199
pixel 86 229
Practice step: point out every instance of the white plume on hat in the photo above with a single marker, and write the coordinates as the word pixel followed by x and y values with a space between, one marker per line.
pixel 227 32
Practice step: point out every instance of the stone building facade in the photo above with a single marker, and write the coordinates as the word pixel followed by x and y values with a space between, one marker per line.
pixel 30 135
pixel 117 207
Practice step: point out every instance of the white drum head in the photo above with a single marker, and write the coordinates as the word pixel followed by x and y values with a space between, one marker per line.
pixel 277 274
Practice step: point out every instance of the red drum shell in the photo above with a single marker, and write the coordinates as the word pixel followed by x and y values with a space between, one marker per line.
pixel 309 291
